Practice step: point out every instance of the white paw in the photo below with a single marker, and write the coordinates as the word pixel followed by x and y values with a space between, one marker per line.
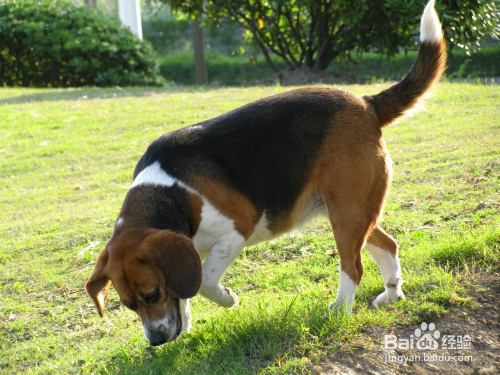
pixel 393 292
pixel 220 294
pixel 228 298
pixel 390 295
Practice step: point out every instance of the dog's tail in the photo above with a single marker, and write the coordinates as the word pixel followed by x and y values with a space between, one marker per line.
pixel 397 100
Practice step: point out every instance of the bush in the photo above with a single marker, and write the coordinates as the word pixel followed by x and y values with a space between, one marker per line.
pixel 239 70
pixel 482 63
pixel 222 69
pixel 52 43
pixel 168 34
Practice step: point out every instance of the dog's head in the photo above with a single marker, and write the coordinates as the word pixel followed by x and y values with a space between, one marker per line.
pixel 154 272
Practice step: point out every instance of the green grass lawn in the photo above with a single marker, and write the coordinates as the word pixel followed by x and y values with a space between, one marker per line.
pixel 66 161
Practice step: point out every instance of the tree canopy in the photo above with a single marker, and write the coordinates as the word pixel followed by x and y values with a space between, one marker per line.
pixel 314 32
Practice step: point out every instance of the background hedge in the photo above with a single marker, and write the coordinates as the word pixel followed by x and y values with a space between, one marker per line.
pixel 239 70
pixel 53 43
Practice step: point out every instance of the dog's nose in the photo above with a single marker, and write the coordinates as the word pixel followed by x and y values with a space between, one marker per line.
pixel 158 342
pixel 156 339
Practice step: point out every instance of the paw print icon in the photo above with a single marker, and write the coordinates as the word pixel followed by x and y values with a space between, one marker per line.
pixel 427 340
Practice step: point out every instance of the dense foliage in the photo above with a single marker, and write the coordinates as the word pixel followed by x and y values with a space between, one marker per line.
pixel 52 43
pixel 168 34
pixel 222 69
pixel 315 32
pixel 238 70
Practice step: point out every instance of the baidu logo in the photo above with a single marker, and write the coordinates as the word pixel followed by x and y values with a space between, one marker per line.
pixel 427 340
pixel 427 337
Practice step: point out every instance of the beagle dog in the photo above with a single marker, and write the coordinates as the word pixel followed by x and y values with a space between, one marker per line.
pixel 202 193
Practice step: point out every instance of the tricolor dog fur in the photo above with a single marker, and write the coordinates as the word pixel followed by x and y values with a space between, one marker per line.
pixel 202 193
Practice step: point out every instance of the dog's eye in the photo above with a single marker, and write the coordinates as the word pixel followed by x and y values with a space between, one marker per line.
pixel 131 306
pixel 152 298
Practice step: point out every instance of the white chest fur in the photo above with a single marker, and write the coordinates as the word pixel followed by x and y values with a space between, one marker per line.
pixel 213 226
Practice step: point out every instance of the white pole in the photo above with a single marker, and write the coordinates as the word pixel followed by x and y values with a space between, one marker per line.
pixel 130 15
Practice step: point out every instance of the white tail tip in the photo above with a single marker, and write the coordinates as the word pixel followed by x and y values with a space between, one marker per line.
pixel 430 27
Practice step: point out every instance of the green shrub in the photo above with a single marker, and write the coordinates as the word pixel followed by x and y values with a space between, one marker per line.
pixel 482 63
pixel 168 34
pixel 222 69
pixel 239 70
pixel 52 43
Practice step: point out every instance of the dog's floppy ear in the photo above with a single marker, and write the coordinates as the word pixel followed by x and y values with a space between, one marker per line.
pixel 174 256
pixel 98 284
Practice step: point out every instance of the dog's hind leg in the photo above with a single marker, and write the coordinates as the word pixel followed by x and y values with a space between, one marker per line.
pixel 350 238
pixel 384 250
pixel 354 191
pixel 350 225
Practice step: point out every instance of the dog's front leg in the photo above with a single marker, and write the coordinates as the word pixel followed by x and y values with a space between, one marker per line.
pixel 221 256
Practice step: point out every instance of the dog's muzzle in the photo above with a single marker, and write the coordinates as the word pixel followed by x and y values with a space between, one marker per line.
pixel 165 330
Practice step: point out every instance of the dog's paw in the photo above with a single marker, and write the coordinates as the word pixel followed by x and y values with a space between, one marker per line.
pixel 229 298
pixel 390 295
pixel 219 294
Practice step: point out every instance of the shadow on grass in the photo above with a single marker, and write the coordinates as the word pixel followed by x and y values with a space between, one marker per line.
pixel 34 95
pixel 266 336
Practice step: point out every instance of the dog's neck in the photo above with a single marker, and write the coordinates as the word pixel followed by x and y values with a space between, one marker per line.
pixel 158 207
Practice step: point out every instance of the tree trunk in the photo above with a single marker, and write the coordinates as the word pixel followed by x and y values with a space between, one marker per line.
pixel 309 61
pixel 325 55
pixel 199 53
pixel 90 4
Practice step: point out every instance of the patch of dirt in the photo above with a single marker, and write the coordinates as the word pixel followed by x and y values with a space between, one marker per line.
pixel 307 76
pixel 481 324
